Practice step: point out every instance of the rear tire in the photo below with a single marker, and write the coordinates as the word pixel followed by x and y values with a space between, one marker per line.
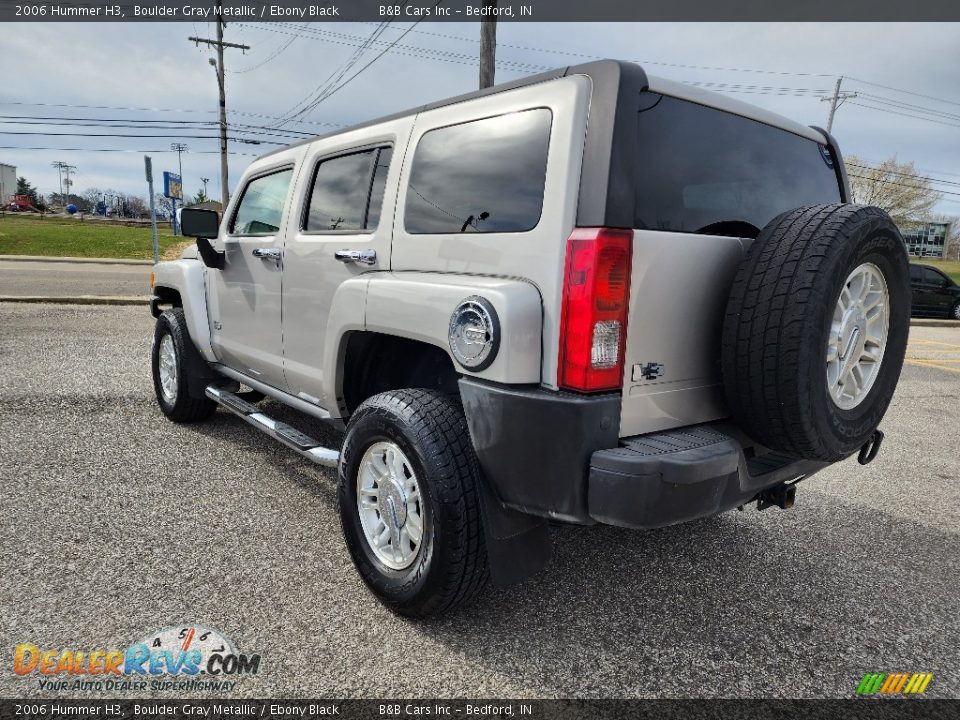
pixel 798 337
pixel 171 370
pixel 424 434
pixel 955 313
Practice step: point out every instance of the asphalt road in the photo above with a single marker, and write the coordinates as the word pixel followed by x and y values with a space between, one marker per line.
pixel 116 522
pixel 59 279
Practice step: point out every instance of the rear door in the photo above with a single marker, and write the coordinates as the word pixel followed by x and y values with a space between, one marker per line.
pixel 340 228
pixel 707 181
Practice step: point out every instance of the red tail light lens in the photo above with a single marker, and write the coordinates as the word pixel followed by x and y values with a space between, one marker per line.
pixel 593 323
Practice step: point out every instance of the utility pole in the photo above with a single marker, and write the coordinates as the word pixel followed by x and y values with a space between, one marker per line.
pixel 219 44
pixel 488 44
pixel 59 166
pixel 64 169
pixel 205 181
pixel 180 149
pixel 836 100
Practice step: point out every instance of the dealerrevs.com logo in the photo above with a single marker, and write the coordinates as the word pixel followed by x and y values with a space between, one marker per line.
pixel 184 658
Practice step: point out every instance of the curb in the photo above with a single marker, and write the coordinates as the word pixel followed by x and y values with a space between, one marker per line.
pixel 79 299
pixel 59 259
pixel 934 322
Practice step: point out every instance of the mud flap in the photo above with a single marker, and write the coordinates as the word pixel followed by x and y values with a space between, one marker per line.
pixel 198 371
pixel 518 544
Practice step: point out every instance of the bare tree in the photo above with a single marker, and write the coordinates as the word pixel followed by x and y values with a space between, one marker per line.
pixel 896 187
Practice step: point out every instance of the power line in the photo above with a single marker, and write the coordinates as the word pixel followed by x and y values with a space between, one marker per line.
pixel 906 92
pixel 273 56
pixel 170 110
pixel 382 53
pixel 904 114
pixel 897 172
pixel 122 150
pixel 586 56
pixel 909 106
pixel 135 135
pixel 301 106
pixel 903 185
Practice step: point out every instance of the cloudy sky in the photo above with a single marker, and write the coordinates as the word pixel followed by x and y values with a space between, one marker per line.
pixel 907 77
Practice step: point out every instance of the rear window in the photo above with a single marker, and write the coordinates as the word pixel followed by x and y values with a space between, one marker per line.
pixel 483 176
pixel 702 170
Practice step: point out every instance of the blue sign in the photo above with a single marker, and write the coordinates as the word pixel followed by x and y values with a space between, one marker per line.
pixel 172 187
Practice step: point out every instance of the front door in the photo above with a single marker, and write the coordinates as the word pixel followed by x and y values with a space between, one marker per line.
pixel 245 322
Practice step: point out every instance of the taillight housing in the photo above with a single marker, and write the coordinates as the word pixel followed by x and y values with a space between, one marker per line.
pixel 593 320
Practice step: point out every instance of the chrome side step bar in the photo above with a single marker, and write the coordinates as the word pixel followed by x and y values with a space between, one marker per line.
pixel 286 434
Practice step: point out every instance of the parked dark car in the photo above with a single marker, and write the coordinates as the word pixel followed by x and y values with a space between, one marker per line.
pixel 934 293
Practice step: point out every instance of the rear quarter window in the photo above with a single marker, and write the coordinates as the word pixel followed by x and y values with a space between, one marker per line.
pixel 483 176
pixel 702 170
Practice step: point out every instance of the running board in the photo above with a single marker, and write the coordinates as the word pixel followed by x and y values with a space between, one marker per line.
pixel 286 434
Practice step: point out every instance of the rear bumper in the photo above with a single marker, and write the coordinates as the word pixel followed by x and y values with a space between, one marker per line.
pixel 558 455
pixel 679 475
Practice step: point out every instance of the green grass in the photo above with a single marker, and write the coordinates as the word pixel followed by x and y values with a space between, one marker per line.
pixel 950 267
pixel 62 237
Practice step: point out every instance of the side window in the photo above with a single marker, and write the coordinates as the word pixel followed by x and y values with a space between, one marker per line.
pixel 916 273
pixel 932 277
pixel 482 176
pixel 347 192
pixel 261 205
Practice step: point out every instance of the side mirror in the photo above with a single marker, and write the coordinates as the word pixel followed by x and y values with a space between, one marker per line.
pixel 204 226
pixel 199 223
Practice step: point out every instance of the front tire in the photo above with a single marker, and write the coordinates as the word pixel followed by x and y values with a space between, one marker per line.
pixel 171 370
pixel 955 313
pixel 409 502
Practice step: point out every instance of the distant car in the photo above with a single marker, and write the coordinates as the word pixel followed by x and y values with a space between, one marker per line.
pixel 934 293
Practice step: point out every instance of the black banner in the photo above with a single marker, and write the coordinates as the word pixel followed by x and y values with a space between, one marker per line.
pixel 854 709
pixel 461 11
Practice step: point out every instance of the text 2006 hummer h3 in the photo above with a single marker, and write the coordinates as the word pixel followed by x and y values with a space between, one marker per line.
pixel 589 296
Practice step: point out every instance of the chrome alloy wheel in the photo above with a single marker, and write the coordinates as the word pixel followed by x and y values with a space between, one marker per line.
pixel 167 366
pixel 858 336
pixel 390 505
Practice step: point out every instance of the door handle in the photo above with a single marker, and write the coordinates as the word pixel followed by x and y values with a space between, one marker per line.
pixel 268 254
pixel 365 257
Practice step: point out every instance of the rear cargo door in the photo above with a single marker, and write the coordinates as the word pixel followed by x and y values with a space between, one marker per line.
pixel 707 182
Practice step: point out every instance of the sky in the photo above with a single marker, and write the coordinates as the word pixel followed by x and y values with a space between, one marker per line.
pixel 907 76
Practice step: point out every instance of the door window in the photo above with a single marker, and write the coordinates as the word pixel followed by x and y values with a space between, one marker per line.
pixel 347 192
pixel 261 205
pixel 932 277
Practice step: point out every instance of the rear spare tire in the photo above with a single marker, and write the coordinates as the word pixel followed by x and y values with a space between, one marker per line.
pixel 816 330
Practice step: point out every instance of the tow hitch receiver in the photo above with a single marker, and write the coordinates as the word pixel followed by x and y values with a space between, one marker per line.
pixel 781 496
pixel 870 448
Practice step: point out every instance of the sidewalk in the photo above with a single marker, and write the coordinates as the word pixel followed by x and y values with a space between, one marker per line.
pixel 101 261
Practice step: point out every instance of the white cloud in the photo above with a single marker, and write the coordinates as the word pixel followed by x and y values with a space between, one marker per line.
pixel 152 65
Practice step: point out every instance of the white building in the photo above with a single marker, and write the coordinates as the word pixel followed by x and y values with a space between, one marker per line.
pixel 8 182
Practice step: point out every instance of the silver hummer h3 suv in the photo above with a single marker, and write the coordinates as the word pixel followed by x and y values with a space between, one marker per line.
pixel 588 296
